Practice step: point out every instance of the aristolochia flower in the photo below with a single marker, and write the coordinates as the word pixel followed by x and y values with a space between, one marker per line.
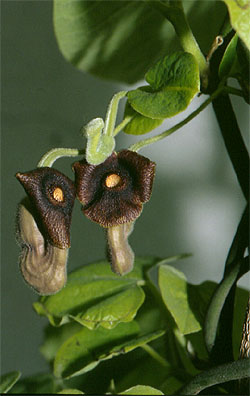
pixel 113 192
pixel 43 223
pixel 52 194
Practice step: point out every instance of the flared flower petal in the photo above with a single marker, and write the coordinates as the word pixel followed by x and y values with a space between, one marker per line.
pixel 113 192
pixel 52 194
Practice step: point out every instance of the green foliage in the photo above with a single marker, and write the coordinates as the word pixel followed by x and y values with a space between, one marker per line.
pixel 174 81
pixel 142 390
pixel 240 15
pixel 7 381
pixel 150 331
pixel 187 303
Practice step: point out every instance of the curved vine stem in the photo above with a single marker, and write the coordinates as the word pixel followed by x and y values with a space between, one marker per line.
pixel 217 375
pixel 51 156
pixel 137 146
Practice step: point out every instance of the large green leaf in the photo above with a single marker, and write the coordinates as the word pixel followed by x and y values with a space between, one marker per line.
pixel 239 11
pixel 187 303
pixel 95 296
pixel 7 381
pixel 174 81
pixel 86 349
pixel 120 40
pixel 142 390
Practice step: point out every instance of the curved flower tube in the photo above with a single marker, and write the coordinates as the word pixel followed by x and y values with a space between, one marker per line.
pixel 42 265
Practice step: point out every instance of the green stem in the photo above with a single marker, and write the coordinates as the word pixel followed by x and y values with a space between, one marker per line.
pixel 155 355
pixel 217 375
pixel 174 12
pixel 122 125
pixel 234 268
pixel 233 141
pixel 51 156
pixel 137 146
pixel 234 91
pixel 112 113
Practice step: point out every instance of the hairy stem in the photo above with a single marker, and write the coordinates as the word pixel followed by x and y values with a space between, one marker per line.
pixel 51 156
pixel 217 375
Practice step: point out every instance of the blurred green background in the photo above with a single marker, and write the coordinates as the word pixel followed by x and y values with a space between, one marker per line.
pixel 196 202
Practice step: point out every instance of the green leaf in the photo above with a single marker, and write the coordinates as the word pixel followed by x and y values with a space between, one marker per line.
pixel 7 381
pixel 86 349
pixel 93 291
pixel 54 337
pixel 142 390
pixel 243 67
pixel 174 81
pixel 239 11
pixel 120 40
pixel 121 307
pixel 70 392
pixel 187 303
pixel 139 124
pixel 229 58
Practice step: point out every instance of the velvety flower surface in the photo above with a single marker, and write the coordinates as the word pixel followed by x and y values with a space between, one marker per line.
pixel 52 195
pixel 113 192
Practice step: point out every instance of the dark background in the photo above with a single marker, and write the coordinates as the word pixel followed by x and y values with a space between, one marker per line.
pixel 196 202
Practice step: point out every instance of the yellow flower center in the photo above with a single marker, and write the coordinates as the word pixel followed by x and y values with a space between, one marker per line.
pixel 113 180
pixel 58 194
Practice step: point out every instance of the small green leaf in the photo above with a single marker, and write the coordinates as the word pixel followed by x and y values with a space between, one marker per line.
pixel 229 58
pixel 187 303
pixel 121 307
pixel 141 390
pixel 174 81
pixel 239 11
pixel 7 381
pixel 70 392
pixel 139 124
pixel 86 349
pixel 88 288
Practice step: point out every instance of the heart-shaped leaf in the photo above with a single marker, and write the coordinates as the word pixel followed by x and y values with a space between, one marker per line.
pixel 120 40
pixel 174 81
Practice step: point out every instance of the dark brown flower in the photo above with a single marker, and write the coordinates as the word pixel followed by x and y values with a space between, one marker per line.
pixel 113 192
pixel 52 195
pixel 43 266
